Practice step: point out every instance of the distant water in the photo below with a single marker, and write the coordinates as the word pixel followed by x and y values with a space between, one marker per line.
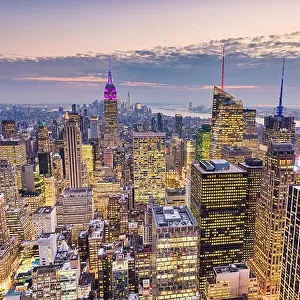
pixel 171 111
pixel 184 112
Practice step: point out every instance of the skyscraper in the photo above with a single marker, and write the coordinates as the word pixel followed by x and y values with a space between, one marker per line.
pixel 290 274
pixel 203 142
pixel 279 128
pixel 9 129
pixel 160 122
pixel 15 152
pixel 189 153
pixel 45 163
pixel 84 126
pixel 218 203
pixel 178 124
pixel 270 218
pixel 175 238
pixel 8 183
pixel 72 152
pixel 111 132
pixel 75 207
pixel 149 166
pixel 227 123
pixel 254 170
pixel 4 233
pixel 250 130
pixel 42 137
pixel 94 127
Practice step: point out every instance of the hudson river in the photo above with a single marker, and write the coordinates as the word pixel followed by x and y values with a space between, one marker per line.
pixel 185 113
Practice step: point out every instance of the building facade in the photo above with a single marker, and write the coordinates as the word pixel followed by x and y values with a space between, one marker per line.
pixel 254 169
pixel 75 207
pixel 277 175
pixel 149 167
pixel 290 273
pixel 175 241
pixel 73 154
pixel 111 131
pixel 203 142
pixel 227 123
pixel 15 152
pixel 218 202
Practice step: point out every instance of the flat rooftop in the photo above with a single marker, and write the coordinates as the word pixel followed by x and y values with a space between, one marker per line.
pixel 176 192
pixel 149 134
pixel 77 192
pixel 252 163
pixel 220 166
pixel 177 216
pixel 230 268
pixel 46 235
pixel 44 210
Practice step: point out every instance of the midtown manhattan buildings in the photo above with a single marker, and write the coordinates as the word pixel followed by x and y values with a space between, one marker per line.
pixel 175 240
pixel 227 123
pixel 254 169
pixel 149 165
pixel 111 132
pixel 14 150
pixel 290 273
pixel 277 175
pixel 218 203
pixel 73 153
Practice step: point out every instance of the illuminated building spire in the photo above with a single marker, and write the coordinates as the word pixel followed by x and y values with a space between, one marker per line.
pixel 223 68
pixel 111 132
pixel 280 106
pixel 109 76
pixel 110 92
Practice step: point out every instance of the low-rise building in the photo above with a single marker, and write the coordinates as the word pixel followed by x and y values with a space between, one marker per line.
pixel 44 220
pixel 235 280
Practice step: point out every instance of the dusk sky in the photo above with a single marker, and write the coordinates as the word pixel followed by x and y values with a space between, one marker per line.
pixel 163 51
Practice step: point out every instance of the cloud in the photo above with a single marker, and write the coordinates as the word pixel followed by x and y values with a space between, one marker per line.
pixel 80 79
pixel 252 64
pixel 233 87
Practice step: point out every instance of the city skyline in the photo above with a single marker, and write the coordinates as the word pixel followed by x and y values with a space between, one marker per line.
pixel 160 56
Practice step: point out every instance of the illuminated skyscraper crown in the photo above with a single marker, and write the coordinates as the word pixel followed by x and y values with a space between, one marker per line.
pixel 110 92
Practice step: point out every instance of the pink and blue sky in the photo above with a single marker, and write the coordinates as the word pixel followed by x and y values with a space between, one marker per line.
pixel 163 51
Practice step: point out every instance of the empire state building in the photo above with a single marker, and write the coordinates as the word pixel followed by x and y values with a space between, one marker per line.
pixel 111 132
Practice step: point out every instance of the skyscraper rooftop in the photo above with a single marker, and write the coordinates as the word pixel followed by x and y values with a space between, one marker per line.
pixel 173 216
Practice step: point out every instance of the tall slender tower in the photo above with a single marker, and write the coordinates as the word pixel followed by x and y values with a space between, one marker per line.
pixel 73 153
pixel 111 132
pixel 279 128
pixel 277 175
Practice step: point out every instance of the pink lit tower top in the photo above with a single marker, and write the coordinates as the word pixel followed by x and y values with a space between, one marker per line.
pixel 111 131
pixel 110 91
